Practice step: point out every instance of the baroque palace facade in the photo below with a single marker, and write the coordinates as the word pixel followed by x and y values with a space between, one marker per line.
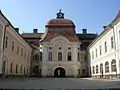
pixel 59 52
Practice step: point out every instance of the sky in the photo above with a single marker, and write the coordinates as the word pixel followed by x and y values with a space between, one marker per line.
pixel 86 14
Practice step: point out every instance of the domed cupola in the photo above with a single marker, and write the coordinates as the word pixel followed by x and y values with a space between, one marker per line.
pixel 60 26
pixel 60 21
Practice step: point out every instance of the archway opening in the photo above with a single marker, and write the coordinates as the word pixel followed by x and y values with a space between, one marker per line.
pixel 59 72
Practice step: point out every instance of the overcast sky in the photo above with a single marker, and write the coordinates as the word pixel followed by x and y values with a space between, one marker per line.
pixel 89 14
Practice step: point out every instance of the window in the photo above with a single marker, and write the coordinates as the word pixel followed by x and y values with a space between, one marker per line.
pixel 101 68
pixel 24 70
pixel 100 50
pixel 12 46
pixel 36 57
pixel 50 47
pixel 69 56
pixel 11 68
pixel 112 42
pixel 60 48
pixel 83 71
pixel 106 67
pixel 113 65
pixel 16 69
pixel 96 52
pixel 17 49
pixel 78 56
pixel 20 69
pixel 21 51
pixel 69 48
pixel 78 72
pixel 40 56
pixel 27 71
pixel 59 56
pixel 25 54
pixel 6 42
pixel 93 70
pixel 50 56
pixel 105 46
pixel 92 55
pixel 96 68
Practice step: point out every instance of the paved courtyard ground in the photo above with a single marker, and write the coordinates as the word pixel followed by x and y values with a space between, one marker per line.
pixel 58 83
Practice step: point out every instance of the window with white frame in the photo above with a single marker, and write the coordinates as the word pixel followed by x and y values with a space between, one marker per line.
pixel 112 42
pixel 105 46
pixel 96 68
pixel 69 56
pixel 12 46
pixel 113 65
pixel 92 55
pixel 40 56
pixel 101 68
pixel 96 51
pixel 78 56
pixel 106 67
pixel 49 56
pixel 100 49
pixel 59 56
pixel 93 70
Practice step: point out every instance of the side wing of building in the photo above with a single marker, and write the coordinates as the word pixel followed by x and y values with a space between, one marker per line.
pixel 15 52
pixel 104 52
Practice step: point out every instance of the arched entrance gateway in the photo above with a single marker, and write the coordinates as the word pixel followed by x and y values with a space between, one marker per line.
pixel 59 72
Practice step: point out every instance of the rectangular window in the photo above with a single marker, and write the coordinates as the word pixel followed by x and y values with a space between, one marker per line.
pixel 40 56
pixel 92 55
pixel 78 72
pixel 12 46
pixel 25 55
pixel 17 49
pixel 112 42
pixel 96 52
pixel 78 56
pixel 100 50
pixel 50 56
pixel 21 51
pixel 105 46
pixel 6 42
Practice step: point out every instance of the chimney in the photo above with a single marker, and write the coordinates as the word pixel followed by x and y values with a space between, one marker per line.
pixel 35 30
pixel 84 31
pixel 104 27
pixel 17 30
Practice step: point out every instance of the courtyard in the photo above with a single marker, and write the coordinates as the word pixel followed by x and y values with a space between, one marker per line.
pixel 58 83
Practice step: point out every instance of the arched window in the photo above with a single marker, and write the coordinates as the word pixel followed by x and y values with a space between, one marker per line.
pixel 59 56
pixel 113 65
pixel 106 67
pixel 101 68
pixel 69 56
pixel 96 68
pixel 93 70
pixel 11 68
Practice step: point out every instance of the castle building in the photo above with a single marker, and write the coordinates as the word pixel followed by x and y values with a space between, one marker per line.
pixel 104 51
pixel 59 51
